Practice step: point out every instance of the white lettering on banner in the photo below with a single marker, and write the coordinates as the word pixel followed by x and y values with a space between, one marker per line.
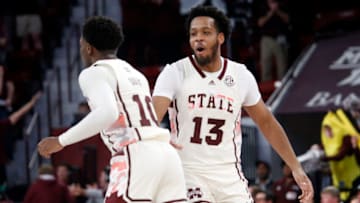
pixel 353 79
pixel 324 99
pixel 348 60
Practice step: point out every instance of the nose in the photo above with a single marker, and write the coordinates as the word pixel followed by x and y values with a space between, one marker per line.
pixel 198 37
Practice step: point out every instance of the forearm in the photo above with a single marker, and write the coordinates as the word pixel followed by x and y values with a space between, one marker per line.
pixel 96 121
pixel 15 117
pixel 161 105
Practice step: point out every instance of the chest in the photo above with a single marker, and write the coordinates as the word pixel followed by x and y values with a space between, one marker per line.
pixel 211 93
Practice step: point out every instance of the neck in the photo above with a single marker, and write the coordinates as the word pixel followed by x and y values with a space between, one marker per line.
pixel 104 56
pixel 212 66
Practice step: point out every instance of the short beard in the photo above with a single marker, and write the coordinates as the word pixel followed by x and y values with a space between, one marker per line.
pixel 207 60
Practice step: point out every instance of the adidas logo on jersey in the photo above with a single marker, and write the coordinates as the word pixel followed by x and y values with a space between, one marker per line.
pixel 212 82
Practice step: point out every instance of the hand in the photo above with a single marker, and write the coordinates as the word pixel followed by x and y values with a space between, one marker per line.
pixel 176 146
pixel 36 96
pixel 307 191
pixel 48 146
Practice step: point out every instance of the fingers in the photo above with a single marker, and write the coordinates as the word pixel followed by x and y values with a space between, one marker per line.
pixel 43 149
pixel 43 152
pixel 307 192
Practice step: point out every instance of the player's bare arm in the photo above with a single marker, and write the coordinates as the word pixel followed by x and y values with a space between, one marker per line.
pixel 276 136
pixel 161 105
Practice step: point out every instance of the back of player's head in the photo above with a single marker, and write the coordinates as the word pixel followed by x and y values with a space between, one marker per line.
pixel 222 22
pixel 102 33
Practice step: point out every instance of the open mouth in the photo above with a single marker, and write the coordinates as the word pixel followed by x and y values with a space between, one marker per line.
pixel 200 49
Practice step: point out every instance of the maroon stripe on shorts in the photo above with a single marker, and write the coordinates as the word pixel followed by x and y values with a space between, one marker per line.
pixel 128 183
pixel 138 134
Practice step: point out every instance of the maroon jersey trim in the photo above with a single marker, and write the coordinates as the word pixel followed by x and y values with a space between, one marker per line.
pixel 202 74
pixel 223 70
pixel 196 67
pixel 123 104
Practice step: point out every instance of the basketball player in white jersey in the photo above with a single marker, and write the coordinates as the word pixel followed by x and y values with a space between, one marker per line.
pixel 144 166
pixel 208 92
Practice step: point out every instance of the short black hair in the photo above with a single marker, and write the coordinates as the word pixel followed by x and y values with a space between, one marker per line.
pixel 222 22
pixel 102 33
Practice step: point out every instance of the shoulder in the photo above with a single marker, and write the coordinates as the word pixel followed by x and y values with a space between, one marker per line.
pixel 236 65
pixel 177 67
pixel 180 64
pixel 238 69
pixel 96 71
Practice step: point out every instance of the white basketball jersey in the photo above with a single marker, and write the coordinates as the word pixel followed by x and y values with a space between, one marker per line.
pixel 137 119
pixel 205 117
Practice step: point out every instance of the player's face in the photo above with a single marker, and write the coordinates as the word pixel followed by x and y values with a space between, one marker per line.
pixel 84 52
pixel 205 41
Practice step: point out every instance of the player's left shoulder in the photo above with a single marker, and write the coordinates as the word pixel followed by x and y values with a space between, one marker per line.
pixel 233 65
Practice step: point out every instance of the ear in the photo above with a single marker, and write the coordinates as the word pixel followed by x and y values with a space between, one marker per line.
pixel 221 38
pixel 89 49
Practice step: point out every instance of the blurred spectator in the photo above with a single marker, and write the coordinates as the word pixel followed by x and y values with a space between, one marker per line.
pixel 253 189
pixel 263 179
pixel 4 39
pixel 82 111
pixel 353 107
pixel 46 190
pixel 95 192
pixel 5 125
pixel 330 194
pixel 63 174
pixel 286 190
pixel 28 24
pixel 7 90
pixel 187 5
pixel 339 139
pixel 262 197
pixel 355 194
pixel 273 24
pixel 311 159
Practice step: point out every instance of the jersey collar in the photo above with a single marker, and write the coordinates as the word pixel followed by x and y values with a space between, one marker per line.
pixel 202 74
